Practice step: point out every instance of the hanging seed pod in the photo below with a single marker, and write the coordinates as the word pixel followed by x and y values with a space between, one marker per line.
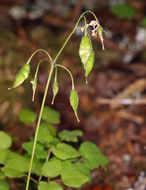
pixel 21 76
pixel 74 101
pixel 89 65
pixel 34 85
pixel 100 33
pixel 55 90
pixel 85 49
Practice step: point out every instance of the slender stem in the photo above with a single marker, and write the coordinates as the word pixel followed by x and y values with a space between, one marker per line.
pixel 85 25
pixel 47 158
pixel 38 51
pixel 55 79
pixel 32 179
pixel 34 82
pixel 38 124
pixel 73 85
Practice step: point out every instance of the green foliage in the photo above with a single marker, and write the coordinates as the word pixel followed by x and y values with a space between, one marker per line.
pixel 52 167
pixel 143 22
pixel 49 186
pixel 70 136
pixel 2 176
pixel 123 11
pixel 4 185
pixel 27 116
pixel 5 140
pixel 64 151
pixel 73 176
pixel 3 155
pixel 39 152
pixel 51 116
pixel 46 133
pixel 92 156
pixel 71 165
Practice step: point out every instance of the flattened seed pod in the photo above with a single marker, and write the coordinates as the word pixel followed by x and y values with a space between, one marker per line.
pixel 85 49
pixel 74 101
pixel 100 33
pixel 55 90
pixel 89 65
pixel 21 76
pixel 34 85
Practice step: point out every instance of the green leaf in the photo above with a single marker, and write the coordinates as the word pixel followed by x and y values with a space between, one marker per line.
pixel 16 166
pixel 5 140
pixel 2 176
pixel 70 136
pixel 72 176
pixel 143 22
pixel 39 151
pixel 27 116
pixel 46 133
pixel 64 151
pixel 51 116
pixel 43 185
pixel 52 168
pixel 83 169
pixel 3 155
pixel 123 11
pixel 4 185
pixel 54 142
pixel 92 156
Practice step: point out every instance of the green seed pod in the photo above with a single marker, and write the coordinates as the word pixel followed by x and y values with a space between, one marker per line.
pixel 21 76
pixel 55 90
pixel 89 65
pixel 100 33
pixel 74 101
pixel 85 49
pixel 34 85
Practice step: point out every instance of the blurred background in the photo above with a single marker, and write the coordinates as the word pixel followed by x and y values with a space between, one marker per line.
pixel 112 107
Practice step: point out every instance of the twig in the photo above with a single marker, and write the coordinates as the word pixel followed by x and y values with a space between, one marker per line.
pixel 125 101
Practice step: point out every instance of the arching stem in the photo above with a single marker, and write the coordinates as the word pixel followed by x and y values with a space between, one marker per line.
pixel 73 85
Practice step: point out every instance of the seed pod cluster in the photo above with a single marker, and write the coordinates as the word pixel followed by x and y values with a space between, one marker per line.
pixel 74 101
pixel 21 76
pixel 55 90
pixel 86 54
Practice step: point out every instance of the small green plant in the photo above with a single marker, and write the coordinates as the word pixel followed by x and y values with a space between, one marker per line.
pixel 72 165
pixel 55 157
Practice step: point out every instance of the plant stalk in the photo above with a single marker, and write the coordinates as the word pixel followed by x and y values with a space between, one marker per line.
pixel 38 124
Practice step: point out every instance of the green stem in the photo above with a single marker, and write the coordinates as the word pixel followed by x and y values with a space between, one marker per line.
pixel 47 158
pixel 38 124
pixel 34 82
pixel 85 25
pixel 73 85
pixel 38 51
